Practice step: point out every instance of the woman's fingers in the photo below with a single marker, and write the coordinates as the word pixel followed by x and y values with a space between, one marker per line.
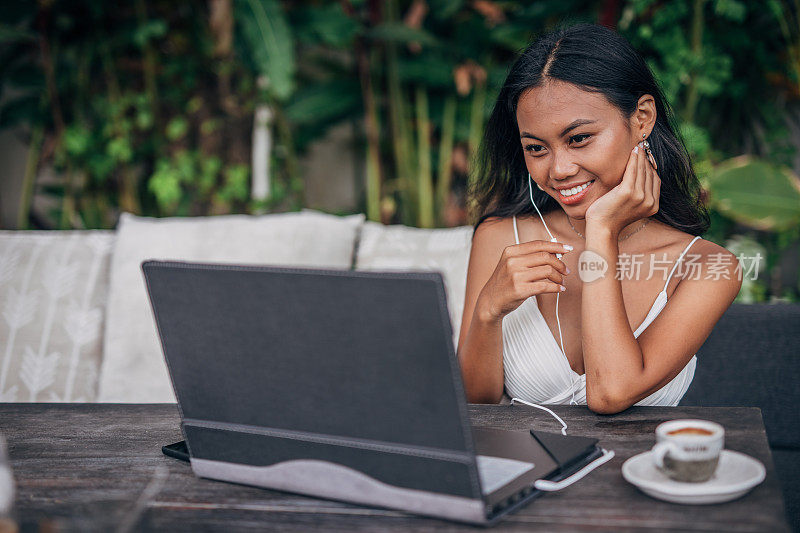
pixel 539 246
pixel 543 272
pixel 542 286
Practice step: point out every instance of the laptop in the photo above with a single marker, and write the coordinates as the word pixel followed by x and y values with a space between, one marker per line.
pixel 339 384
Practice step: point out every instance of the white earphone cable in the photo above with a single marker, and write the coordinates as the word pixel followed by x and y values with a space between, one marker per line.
pixel 552 239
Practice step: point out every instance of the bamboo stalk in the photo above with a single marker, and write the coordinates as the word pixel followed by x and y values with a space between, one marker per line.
pixel 445 170
pixel 373 154
pixel 149 61
pixel 372 131
pixel 29 179
pixel 476 123
pixel 402 139
pixel 295 184
pixel 424 178
pixel 693 93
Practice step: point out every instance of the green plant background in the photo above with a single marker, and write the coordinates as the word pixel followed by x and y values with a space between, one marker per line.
pixel 147 106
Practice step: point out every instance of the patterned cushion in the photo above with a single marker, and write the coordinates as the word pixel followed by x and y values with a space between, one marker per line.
pixel 53 287
pixel 133 365
pixel 401 247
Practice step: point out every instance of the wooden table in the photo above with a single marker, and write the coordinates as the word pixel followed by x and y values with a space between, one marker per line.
pixel 99 467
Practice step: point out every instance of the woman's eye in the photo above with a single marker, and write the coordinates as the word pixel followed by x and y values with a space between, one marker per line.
pixel 532 148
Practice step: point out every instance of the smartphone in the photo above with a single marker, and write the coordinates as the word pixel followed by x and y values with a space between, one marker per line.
pixel 177 450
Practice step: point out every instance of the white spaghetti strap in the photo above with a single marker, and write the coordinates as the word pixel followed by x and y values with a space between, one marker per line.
pixel 677 262
pixel 564 424
pixel 516 234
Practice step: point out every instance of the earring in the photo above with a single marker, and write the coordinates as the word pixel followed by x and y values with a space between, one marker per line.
pixel 540 187
pixel 648 152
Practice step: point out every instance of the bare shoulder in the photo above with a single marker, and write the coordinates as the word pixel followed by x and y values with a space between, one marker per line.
pixel 492 236
pixel 711 265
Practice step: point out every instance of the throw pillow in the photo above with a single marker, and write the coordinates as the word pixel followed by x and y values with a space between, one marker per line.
pixel 53 287
pixel 400 247
pixel 133 366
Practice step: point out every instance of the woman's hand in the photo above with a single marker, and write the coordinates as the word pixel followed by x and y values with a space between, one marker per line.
pixel 524 270
pixel 635 197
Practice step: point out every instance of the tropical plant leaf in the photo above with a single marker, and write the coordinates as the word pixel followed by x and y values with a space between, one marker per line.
pixel 324 102
pixel 395 32
pixel 328 24
pixel 756 193
pixel 267 33
pixel 427 70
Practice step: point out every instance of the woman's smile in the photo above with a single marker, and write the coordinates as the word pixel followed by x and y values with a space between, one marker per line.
pixel 574 195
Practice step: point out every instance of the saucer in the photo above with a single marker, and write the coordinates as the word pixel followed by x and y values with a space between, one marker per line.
pixel 736 474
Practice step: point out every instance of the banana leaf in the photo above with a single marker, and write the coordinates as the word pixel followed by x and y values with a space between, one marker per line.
pixel 756 193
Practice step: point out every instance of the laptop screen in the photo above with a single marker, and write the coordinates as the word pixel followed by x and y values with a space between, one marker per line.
pixel 363 355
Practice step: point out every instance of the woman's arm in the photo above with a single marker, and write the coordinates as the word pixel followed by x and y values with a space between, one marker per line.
pixel 499 279
pixel 480 341
pixel 621 369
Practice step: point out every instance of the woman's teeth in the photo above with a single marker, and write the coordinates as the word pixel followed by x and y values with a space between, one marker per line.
pixel 575 190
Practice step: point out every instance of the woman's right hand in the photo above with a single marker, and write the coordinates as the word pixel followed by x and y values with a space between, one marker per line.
pixel 524 270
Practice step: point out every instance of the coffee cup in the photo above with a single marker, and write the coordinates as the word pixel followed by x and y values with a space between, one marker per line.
pixel 687 449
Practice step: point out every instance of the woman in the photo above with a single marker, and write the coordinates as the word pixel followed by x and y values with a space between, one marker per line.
pixel 565 136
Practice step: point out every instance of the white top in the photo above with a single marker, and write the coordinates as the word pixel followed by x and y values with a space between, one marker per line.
pixel 537 371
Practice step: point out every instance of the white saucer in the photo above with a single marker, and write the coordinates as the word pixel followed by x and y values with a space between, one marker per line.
pixel 736 474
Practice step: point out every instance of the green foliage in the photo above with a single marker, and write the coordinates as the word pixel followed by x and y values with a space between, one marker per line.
pixel 263 22
pixel 756 193
pixel 148 106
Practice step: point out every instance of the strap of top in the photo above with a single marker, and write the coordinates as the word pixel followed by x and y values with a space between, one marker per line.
pixel 516 234
pixel 680 258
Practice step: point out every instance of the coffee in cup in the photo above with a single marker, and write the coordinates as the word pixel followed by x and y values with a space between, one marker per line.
pixel 688 450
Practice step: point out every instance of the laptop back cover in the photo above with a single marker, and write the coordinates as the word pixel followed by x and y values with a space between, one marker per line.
pixel 334 377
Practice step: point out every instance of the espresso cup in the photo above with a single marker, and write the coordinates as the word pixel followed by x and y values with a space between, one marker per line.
pixel 687 449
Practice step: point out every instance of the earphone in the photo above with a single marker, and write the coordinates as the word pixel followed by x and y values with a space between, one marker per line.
pixel 552 239
pixel 543 484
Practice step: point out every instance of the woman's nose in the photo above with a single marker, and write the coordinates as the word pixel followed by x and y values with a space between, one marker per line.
pixel 562 166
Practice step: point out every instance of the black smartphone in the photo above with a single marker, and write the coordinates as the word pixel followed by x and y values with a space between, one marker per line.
pixel 177 450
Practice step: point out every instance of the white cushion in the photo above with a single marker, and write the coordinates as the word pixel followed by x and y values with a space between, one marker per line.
pixel 133 367
pixel 405 248
pixel 53 288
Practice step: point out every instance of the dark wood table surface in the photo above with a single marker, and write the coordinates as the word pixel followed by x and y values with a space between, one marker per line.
pixel 99 467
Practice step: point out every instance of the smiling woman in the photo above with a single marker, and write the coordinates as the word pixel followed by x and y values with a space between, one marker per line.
pixel 581 116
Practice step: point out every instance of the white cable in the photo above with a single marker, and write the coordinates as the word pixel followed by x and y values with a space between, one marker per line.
pixel 530 191
pixel 560 338
pixel 564 424
pixel 543 484
pixel 552 239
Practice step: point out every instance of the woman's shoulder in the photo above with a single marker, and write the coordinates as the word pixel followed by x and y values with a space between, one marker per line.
pixel 705 261
pixel 493 232
pixel 496 229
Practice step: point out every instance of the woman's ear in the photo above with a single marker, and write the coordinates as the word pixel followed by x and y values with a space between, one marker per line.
pixel 644 117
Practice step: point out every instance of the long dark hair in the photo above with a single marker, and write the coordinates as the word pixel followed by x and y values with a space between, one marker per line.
pixel 597 59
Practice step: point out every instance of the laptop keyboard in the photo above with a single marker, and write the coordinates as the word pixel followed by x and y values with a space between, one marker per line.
pixel 495 472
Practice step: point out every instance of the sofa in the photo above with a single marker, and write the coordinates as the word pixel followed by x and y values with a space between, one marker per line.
pixel 76 324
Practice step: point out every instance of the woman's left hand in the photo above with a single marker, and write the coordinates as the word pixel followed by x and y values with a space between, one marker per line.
pixel 635 197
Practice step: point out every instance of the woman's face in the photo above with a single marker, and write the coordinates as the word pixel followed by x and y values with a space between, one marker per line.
pixel 571 137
